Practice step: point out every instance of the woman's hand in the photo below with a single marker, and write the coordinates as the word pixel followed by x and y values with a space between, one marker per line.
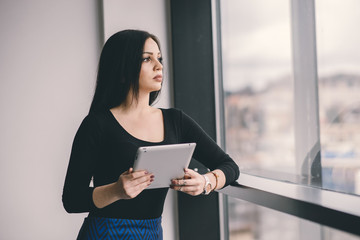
pixel 128 186
pixel 131 184
pixel 192 183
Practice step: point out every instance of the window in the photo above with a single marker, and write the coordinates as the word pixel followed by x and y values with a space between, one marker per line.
pixel 266 47
pixel 264 55
pixel 258 84
pixel 339 87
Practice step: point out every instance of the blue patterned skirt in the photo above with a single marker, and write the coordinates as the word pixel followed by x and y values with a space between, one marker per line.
pixel 96 228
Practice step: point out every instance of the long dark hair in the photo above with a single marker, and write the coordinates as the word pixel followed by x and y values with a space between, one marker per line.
pixel 119 69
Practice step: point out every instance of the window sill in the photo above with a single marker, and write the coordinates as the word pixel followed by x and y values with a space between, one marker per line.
pixel 337 210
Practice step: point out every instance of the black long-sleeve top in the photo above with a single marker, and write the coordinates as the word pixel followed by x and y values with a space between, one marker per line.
pixel 103 149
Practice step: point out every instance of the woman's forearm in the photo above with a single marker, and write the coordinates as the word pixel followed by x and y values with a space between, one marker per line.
pixel 106 195
pixel 130 184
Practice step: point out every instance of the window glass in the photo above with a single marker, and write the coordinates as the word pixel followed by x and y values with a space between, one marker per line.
pixel 338 54
pixel 258 84
pixel 259 107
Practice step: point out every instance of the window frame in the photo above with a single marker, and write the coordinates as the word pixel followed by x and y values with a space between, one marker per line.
pixel 193 74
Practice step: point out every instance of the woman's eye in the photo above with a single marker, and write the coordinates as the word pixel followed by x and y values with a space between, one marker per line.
pixel 160 59
pixel 146 59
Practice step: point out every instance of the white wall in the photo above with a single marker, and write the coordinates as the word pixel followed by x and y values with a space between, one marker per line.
pixel 48 60
pixel 150 16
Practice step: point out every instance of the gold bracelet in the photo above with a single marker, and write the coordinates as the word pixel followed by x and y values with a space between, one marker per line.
pixel 216 178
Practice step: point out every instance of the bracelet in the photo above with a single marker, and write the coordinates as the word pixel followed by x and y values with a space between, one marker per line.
pixel 216 178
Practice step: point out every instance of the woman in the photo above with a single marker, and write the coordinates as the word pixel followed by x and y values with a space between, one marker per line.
pixel 120 120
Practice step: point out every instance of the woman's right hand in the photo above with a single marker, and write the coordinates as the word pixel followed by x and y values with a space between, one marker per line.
pixel 131 183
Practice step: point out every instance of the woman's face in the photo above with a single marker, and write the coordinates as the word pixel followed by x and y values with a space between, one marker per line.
pixel 151 68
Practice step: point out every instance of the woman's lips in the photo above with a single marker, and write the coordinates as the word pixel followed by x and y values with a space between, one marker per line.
pixel 158 78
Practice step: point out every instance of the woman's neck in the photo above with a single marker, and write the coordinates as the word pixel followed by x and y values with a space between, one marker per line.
pixel 136 105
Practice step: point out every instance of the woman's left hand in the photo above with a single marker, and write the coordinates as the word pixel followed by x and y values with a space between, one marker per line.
pixel 192 183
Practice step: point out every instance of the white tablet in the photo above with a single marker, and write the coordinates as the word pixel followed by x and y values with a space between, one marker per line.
pixel 164 161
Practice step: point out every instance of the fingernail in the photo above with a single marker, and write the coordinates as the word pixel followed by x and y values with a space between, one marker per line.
pixel 152 176
pixel 146 172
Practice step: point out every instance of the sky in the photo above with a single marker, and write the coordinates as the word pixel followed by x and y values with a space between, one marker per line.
pixel 256 40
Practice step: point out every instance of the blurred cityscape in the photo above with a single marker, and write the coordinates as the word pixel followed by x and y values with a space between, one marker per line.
pixel 260 135
pixel 259 125
pixel 260 129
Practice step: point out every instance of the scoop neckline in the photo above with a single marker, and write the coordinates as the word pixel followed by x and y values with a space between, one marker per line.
pixel 138 139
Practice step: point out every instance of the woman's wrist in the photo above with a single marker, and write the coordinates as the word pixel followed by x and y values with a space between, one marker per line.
pixel 216 180
pixel 115 191
pixel 207 185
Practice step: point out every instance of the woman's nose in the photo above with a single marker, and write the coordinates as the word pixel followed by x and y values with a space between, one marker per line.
pixel 158 65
